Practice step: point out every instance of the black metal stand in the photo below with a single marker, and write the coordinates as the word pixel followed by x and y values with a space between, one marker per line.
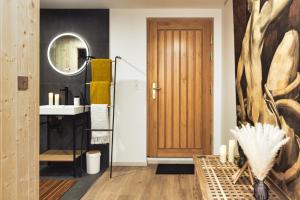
pixel 74 149
pixel 89 131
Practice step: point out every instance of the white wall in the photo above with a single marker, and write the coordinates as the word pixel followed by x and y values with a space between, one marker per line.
pixel 228 86
pixel 128 39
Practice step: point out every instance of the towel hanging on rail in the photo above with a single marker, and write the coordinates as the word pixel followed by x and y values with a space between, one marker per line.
pixel 100 92
pixel 101 70
pixel 99 120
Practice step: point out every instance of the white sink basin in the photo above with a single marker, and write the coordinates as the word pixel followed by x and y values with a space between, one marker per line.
pixel 62 110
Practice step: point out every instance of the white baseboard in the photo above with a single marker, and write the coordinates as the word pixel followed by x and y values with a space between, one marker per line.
pixel 130 164
pixel 170 160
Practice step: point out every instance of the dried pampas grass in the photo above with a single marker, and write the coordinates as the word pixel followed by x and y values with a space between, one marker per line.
pixel 260 144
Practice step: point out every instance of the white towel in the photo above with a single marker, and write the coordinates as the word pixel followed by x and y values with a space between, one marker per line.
pixel 99 120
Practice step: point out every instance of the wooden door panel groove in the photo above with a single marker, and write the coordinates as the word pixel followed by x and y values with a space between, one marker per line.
pixel 191 88
pixel 187 88
pixel 198 78
pixel 176 86
pixel 161 74
pixel 196 87
pixel 182 125
pixel 163 30
pixel 183 89
pixel 172 86
pixel 169 91
pixel 178 148
pixel 179 87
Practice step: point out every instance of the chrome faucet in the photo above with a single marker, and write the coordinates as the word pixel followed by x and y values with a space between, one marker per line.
pixel 66 94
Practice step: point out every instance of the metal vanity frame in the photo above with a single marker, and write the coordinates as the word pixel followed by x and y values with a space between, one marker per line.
pixel 66 155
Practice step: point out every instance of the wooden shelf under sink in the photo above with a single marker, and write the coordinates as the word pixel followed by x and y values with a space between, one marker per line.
pixel 59 155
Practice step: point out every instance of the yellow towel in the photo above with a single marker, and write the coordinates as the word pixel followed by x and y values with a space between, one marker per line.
pixel 100 92
pixel 101 70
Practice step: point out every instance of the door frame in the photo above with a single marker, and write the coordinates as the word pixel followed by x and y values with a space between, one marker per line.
pixel 152 153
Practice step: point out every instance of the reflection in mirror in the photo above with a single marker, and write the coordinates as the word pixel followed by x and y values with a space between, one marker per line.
pixel 67 54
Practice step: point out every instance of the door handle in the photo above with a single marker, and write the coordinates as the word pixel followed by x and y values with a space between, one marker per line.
pixel 154 90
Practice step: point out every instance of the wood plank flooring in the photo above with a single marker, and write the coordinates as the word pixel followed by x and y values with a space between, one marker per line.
pixel 141 183
pixel 51 189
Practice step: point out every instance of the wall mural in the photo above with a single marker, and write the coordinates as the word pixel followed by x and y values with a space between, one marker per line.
pixel 268 78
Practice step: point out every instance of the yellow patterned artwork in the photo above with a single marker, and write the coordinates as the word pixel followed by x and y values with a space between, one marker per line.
pixel 267 76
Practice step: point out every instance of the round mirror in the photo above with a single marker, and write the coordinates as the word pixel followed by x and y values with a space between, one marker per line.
pixel 67 54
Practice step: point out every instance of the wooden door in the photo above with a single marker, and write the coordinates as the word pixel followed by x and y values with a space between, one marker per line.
pixel 179 87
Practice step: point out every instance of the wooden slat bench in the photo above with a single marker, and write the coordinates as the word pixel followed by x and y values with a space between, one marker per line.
pixel 213 181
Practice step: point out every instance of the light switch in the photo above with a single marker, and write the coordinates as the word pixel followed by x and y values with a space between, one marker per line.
pixel 22 83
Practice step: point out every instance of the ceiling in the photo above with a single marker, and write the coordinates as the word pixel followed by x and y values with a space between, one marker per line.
pixel 86 4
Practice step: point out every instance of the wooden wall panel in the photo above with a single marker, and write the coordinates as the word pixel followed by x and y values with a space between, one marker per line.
pixel 19 110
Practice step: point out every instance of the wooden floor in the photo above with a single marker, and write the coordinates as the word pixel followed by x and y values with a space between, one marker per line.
pixel 135 183
pixel 52 189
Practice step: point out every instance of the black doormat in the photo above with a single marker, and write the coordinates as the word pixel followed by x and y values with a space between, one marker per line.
pixel 175 169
